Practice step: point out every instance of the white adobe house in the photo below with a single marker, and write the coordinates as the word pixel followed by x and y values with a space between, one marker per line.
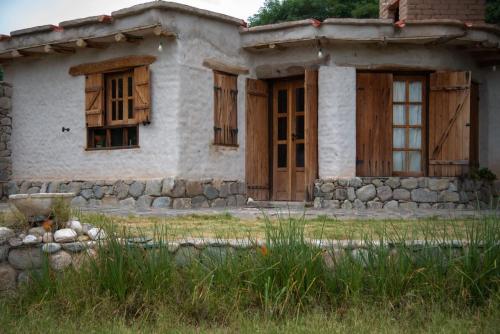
pixel 166 105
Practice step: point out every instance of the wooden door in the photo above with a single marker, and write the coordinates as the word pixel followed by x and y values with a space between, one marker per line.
pixel 257 140
pixel 449 123
pixel 289 141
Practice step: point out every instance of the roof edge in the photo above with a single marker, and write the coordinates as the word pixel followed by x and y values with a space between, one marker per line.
pixel 167 5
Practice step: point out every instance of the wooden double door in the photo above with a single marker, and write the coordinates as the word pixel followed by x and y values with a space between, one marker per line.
pixel 289 141
pixel 282 138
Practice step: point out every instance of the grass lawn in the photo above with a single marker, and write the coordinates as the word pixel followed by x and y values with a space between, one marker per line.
pixel 288 289
pixel 228 226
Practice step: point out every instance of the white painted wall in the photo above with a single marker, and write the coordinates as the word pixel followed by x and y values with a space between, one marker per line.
pixel 179 140
pixel 46 98
pixel 337 122
pixel 491 125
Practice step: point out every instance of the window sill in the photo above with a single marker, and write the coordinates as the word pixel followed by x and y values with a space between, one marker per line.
pixel 235 146
pixel 112 148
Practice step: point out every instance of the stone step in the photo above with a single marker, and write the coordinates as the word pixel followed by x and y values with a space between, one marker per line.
pixel 279 205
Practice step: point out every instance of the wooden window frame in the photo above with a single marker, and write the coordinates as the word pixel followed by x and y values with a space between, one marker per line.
pixel 126 123
pixel 423 150
pixel 217 140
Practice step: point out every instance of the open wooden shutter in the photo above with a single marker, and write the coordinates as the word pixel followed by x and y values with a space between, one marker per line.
pixel 94 100
pixel 374 124
pixel 257 140
pixel 225 109
pixel 311 131
pixel 142 95
pixel 449 123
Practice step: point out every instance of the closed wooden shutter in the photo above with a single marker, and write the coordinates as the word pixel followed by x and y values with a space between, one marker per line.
pixel 374 124
pixel 311 131
pixel 449 123
pixel 225 109
pixel 257 140
pixel 142 95
pixel 94 100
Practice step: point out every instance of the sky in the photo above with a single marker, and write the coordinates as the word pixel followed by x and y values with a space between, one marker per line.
pixel 19 14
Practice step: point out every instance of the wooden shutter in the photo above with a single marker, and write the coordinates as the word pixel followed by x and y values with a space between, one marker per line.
pixel 225 109
pixel 374 124
pixel 257 140
pixel 94 100
pixel 311 131
pixel 142 95
pixel 449 123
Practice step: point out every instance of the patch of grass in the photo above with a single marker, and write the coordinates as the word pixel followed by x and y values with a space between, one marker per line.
pixel 228 226
pixel 284 285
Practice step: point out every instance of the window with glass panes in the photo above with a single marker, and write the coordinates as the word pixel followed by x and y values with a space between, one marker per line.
pixel 408 115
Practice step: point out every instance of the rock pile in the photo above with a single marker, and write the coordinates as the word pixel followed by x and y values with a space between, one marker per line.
pixel 23 253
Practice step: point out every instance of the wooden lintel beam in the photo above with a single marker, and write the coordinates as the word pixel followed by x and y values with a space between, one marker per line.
pixel 122 37
pixel 24 53
pixel 111 65
pixel 58 49
pixel 226 68
pixel 159 31
pixel 85 43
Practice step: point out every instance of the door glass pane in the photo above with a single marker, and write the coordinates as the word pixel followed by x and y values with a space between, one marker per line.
pixel 399 91
pixel 399 114
pixel 299 99
pixel 415 114
pixel 113 88
pixel 416 91
pixel 130 109
pixel 414 161
pixel 117 137
pixel 282 101
pixel 282 128
pixel 129 86
pixel 282 155
pixel 398 161
pixel 415 138
pixel 120 109
pixel 113 110
pixel 120 88
pixel 299 155
pixel 299 127
pixel 399 138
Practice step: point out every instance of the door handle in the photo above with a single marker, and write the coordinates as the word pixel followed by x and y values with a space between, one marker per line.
pixel 294 136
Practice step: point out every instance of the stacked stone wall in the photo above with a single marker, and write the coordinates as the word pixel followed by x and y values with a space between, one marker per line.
pixel 168 193
pixel 405 193
pixel 5 133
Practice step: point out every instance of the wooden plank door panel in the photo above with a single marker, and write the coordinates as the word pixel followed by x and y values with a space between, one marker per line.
pixel 374 124
pixel 257 140
pixel 311 132
pixel 449 123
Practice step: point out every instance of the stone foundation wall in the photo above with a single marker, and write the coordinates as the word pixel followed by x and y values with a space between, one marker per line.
pixel 23 254
pixel 5 133
pixel 406 193
pixel 139 194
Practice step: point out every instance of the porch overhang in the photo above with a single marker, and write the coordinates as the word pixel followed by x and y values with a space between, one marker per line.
pixel 482 42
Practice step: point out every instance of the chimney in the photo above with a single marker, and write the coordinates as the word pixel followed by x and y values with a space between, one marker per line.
pixel 471 11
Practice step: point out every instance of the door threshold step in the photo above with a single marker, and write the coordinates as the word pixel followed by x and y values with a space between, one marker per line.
pixel 279 205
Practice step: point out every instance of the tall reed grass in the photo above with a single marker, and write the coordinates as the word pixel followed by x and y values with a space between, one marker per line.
pixel 283 276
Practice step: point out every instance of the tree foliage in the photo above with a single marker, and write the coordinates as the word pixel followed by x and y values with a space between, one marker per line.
pixel 275 11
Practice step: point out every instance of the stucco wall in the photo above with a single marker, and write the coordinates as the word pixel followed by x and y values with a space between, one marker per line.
pixel 492 123
pixel 337 122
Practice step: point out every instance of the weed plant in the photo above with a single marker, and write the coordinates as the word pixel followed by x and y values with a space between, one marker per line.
pixel 283 276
